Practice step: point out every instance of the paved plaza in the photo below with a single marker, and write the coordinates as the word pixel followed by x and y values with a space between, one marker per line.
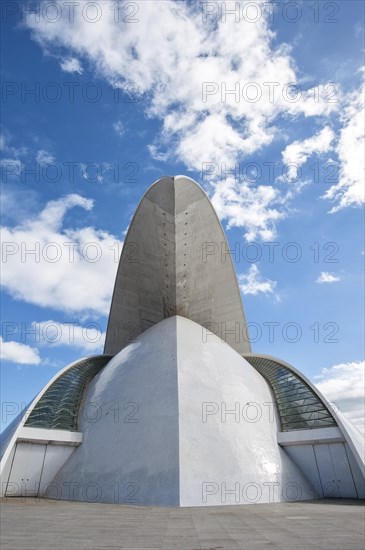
pixel 49 524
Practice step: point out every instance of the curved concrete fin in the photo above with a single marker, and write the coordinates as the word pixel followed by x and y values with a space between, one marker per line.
pixel 175 261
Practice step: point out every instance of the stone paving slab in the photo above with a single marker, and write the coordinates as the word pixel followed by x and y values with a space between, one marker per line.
pixel 30 524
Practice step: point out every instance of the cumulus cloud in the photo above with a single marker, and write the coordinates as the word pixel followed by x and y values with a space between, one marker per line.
pixel 215 102
pixel 11 159
pixel 298 152
pixel 7 148
pixel 71 65
pixel 44 157
pixel 119 128
pixel 325 277
pixel 10 168
pixel 254 283
pixel 88 337
pixel 22 354
pixel 350 148
pixel 95 174
pixel 343 385
pixel 256 208
pixel 65 268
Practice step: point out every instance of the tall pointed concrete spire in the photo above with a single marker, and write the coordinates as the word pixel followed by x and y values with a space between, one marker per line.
pixel 176 261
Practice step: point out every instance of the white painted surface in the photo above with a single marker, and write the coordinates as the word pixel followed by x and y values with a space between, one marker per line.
pixel 356 472
pixel 55 458
pixel 33 467
pixel 26 470
pixel 351 434
pixel 354 439
pixel 334 470
pixel 6 459
pixel 6 471
pixel 235 454
pixel 316 435
pixel 145 440
pixel 169 455
pixel 304 457
pixel 342 470
pixel 326 472
pixel 42 435
pixel 130 448
pixel 330 467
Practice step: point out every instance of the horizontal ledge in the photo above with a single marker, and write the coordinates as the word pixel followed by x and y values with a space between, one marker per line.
pixel 310 437
pixel 58 437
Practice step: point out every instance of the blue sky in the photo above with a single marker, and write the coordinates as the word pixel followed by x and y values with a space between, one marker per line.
pixel 118 102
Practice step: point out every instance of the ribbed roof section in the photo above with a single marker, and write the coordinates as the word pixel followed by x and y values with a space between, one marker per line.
pixel 299 406
pixel 58 408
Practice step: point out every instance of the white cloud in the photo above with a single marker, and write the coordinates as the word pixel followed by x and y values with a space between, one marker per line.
pixel 171 63
pixel 298 152
pixel 44 158
pixel 343 385
pixel 15 158
pixel 326 277
pixel 21 354
pixel 11 164
pixel 253 283
pixel 72 269
pixel 350 190
pixel 10 168
pixel 88 337
pixel 119 128
pixel 92 171
pixel 9 149
pixel 257 209
pixel 71 65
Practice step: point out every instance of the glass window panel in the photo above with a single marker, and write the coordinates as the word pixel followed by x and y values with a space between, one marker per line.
pixel 58 408
pixel 299 407
pixel 291 395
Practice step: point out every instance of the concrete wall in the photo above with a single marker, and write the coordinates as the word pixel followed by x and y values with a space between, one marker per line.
pixel 164 270
pixel 34 459
pixel 170 455
pixel 130 425
pixel 177 419
pixel 227 429
pixel 331 468
pixel 33 468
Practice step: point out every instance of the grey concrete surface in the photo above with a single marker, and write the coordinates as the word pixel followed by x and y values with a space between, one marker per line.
pixel 171 454
pixel 46 524
pixel 176 261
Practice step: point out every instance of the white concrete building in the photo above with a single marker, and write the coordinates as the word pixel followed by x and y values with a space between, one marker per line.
pixel 178 411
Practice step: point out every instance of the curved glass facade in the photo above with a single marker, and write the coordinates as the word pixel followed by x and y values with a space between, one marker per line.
pixel 299 407
pixel 58 408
